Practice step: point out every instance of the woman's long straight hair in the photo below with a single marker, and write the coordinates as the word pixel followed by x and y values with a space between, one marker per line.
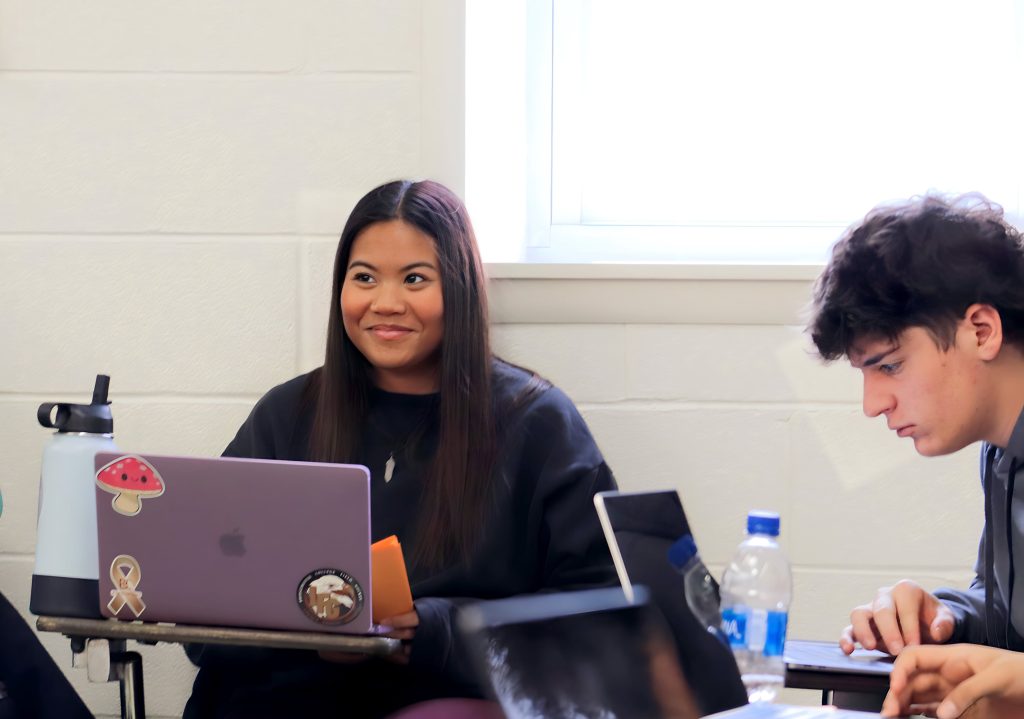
pixel 457 491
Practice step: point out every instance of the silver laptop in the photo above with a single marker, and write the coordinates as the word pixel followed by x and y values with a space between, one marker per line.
pixel 234 542
pixel 813 656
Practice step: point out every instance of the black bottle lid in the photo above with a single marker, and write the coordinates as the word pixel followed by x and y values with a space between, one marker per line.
pixel 94 418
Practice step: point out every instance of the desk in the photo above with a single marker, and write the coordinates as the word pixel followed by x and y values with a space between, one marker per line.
pixel 126 667
pixel 859 681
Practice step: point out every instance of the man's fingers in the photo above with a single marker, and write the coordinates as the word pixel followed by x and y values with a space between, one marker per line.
pixel 910 625
pixel 900 616
pixel 914 679
pixel 907 600
pixel 897 700
pixel 846 640
pixel 925 658
pixel 923 689
pixel 941 626
pixel 887 625
pixel 862 628
pixel 969 691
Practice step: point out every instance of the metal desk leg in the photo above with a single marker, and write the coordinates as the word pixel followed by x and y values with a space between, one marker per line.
pixel 107 661
pixel 864 701
pixel 129 672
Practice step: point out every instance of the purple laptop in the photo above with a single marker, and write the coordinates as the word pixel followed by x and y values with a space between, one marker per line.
pixel 234 542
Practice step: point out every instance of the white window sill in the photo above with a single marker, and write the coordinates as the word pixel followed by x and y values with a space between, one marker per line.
pixel 676 293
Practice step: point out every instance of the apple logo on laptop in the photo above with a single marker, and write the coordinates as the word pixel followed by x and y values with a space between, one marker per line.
pixel 232 543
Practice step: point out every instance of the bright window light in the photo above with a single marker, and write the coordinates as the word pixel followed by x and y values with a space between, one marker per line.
pixel 734 131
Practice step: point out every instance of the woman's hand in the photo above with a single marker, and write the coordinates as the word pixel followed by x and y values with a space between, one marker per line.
pixel 403 626
pixel 948 681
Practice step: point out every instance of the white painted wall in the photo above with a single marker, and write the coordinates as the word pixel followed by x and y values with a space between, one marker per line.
pixel 172 181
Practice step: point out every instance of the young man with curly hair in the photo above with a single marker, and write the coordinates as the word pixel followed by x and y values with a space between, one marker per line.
pixel 926 299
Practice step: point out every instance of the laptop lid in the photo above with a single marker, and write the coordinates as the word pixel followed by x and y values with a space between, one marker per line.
pixel 640 527
pixel 631 517
pixel 234 542
pixel 588 655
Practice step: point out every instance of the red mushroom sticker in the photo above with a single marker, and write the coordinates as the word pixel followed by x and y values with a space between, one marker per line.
pixel 129 479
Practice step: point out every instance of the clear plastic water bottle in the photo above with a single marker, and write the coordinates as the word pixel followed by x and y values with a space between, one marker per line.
pixel 757 588
pixel 702 596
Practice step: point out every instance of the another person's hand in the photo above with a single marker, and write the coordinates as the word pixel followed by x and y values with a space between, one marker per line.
pixel 900 616
pixel 950 681
pixel 403 626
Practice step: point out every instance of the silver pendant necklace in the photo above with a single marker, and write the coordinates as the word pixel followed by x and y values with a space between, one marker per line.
pixel 389 468
pixel 399 448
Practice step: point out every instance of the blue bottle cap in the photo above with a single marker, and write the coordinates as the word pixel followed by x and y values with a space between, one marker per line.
pixel 682 551
pixel 761 522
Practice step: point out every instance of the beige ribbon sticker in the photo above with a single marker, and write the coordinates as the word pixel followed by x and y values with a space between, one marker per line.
pixel 126 574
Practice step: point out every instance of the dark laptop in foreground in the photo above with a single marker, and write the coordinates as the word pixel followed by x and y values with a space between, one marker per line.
pixel 234 542
pixel 588 654
pixel 593 655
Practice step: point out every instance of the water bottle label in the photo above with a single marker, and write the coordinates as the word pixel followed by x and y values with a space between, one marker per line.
pixel 775 641
pixel 734 626
pixel 756 630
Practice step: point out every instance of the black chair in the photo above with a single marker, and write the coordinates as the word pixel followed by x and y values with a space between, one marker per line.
pixel 31 684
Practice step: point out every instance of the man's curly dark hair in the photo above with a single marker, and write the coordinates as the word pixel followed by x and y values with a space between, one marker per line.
pixel 919 263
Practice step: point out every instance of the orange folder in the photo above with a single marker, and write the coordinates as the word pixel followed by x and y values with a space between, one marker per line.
pixel 389 582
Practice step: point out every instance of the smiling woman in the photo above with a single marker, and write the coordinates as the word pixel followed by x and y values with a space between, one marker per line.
pixel 392 306
pixel 483 470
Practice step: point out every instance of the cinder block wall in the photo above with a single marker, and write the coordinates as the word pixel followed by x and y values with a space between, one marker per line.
pixel 172 181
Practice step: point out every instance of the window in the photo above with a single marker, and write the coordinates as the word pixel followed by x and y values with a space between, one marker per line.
pixel 731 131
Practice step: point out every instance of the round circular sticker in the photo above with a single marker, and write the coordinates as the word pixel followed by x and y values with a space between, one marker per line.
pixel 330 596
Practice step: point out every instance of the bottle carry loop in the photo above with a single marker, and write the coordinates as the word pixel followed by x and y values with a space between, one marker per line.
pixel 45 415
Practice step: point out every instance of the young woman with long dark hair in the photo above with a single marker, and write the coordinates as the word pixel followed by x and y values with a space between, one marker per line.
pixel 484 471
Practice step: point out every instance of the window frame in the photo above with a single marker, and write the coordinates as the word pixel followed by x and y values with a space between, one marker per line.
pixel 542 240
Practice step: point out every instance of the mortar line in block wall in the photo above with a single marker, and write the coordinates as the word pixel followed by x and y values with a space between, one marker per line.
pixel 669 405
pixel 147 235
pixel 127 397
pixel 909 571
pixel 297 72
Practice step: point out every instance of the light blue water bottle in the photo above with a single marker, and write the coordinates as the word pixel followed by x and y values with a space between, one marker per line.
pixel 757 589
pixel 65 581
